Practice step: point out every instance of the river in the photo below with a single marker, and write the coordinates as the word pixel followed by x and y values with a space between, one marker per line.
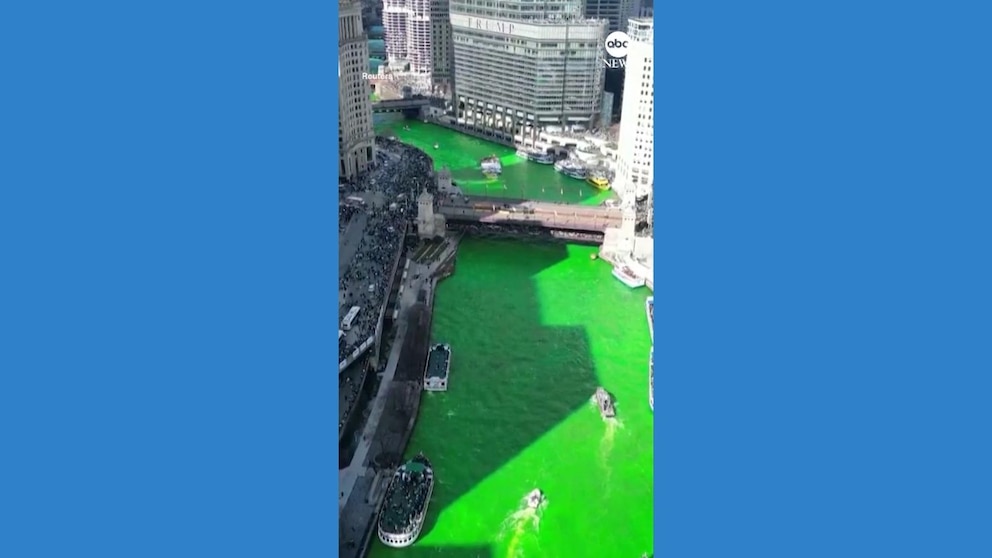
pixel 534 329
pixel 461 154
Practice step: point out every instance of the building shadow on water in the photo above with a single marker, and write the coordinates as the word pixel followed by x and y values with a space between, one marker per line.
pixel 546 386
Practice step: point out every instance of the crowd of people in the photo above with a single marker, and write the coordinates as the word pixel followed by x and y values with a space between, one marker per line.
pixel 406 498
pixel 345 213
pixel 399 175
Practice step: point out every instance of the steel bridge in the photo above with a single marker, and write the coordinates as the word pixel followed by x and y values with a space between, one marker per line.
pixel 549 215
pixel 400 105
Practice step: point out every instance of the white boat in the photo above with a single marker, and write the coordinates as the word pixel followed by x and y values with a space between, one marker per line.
pixel 535 499
pixel 438 367
pixel 405 504
pixel 651 379
pixel 649 310
pixel 491 165
pixel 572 169
pixel 536 156
pixel 626 275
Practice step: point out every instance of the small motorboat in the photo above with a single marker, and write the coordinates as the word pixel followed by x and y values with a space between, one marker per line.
pixel 535 499
pixel 491 165
pixel 605 401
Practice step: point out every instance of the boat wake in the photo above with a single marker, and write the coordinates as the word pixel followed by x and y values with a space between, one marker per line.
pixel 612 423
pixel 523 523
pixel 609 435
pixel 607 443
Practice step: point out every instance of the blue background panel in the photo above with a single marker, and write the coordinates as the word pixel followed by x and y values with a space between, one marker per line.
pixel 168 223
pixel 823 279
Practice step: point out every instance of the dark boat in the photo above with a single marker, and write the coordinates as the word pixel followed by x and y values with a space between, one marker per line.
pixel 605 402
pixel 438 366
pixel 405 503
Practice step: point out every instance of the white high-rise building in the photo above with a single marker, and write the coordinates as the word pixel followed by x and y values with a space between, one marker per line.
pixel 522 65
pixel 418 42
pixel 635 148
pixel 356 137
pixel 407 25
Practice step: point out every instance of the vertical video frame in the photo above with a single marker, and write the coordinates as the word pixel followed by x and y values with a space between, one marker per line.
pixel 495 346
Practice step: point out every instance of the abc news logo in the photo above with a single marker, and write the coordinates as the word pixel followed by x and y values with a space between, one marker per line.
pixel 616 48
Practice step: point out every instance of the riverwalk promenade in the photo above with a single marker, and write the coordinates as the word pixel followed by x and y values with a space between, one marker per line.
pixel 394 409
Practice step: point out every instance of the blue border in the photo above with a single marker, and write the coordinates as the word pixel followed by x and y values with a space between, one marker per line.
pixel 169 254
pixel 823 279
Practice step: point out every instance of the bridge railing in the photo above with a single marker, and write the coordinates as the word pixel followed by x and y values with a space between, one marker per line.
pixel 401 103
pixel 553 220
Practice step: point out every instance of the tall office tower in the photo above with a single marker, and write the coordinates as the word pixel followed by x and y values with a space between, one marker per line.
pixel 617 12
pixel 408 34
pixel 356 138
pixel 371 10
pixel 418 42
pixel 522 65
pixel 635 148
pixel 646 9
pixel 442 57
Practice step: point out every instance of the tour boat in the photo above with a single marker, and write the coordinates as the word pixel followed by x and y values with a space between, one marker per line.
pixel 405 504
pixel 627 276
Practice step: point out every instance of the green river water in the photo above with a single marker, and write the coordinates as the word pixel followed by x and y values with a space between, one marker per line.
pixel 534 329
pixel 462 155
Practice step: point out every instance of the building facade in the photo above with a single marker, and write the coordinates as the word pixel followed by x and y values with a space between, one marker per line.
pixel 442 55
pixel 646 9
pixel 418 43
pixel 616 12
pixel 356 137
pixel 520 66
pixel 635 147
pixel 407 25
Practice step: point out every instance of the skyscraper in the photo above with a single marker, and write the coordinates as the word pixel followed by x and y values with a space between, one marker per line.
pixel 635 159
pixel 522 65
pixel 356 138
pixel 408 35
pixel 617 12
pixel 418 42
pixel 442 55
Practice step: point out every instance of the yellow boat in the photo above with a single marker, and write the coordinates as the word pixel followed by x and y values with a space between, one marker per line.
pixel 599 181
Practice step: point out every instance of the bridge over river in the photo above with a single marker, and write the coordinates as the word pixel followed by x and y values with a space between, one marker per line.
pixel 551 215
pixel 411 105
